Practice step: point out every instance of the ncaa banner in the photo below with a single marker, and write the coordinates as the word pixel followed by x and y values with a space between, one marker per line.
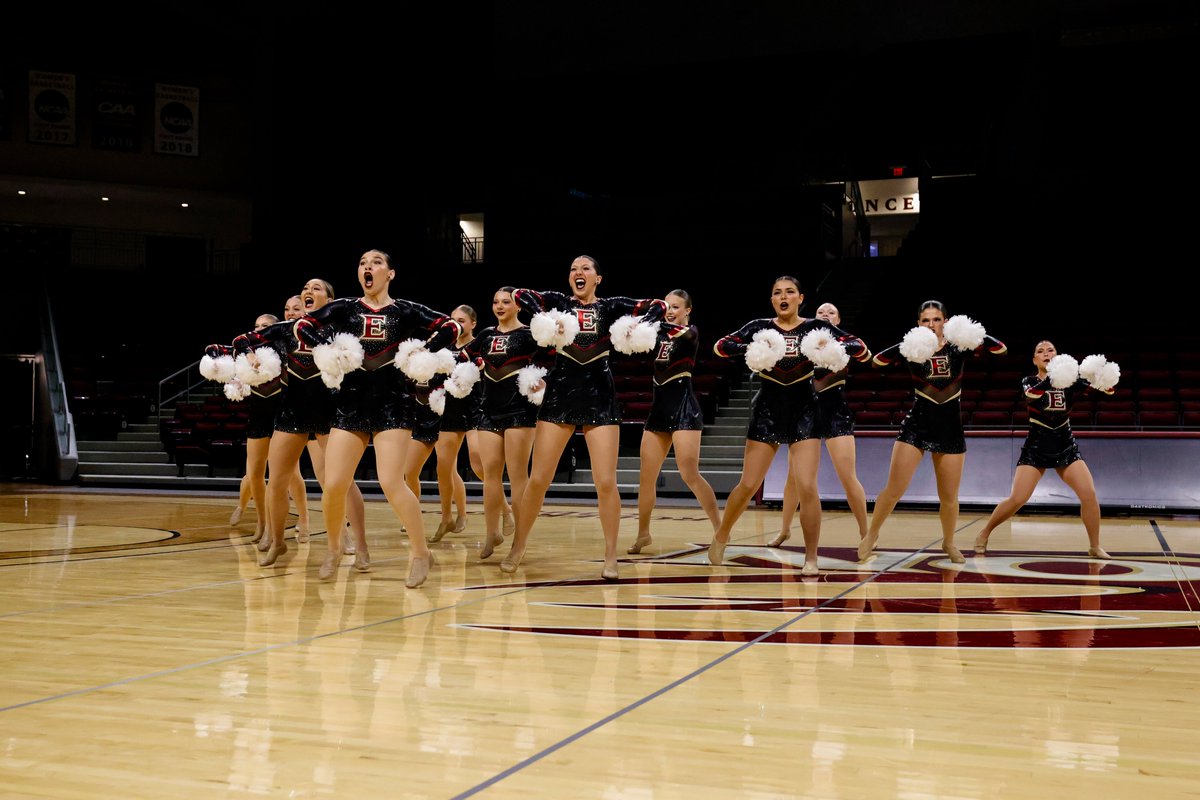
pixel 176 120
pixel 116 118
pixel 52 108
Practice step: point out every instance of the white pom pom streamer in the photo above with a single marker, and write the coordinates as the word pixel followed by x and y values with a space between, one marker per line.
pixel 765 350
pixel 528 378
pixel 1101 373
pixel 630 334
pixel 265 369
pixel 404 351
pixel 236 390
pixel 343 354
pixel 823 350
pixel 462 380
pixel 919 345
pixel 553 328
pixel 437 401
pixel 220 369
pixel 446 359
pixel 1063 371
pixel 963 332
pixel 422 365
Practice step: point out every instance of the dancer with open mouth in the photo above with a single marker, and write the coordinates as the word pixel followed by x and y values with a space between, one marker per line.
pixel 305 413
pixel 366 332
pixel 579 392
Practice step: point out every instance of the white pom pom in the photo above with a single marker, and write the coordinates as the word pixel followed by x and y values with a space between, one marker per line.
pixel 325 357
pixel 236 390
pixel 527 379
pixel 265 369
pixel 437 401
pixel 462 380
pixel 220 369
pixel 404 351
pixel 1101 373
pixel 1063 371
pixel 919 345
pixel 349 351
pixel 545 327
pixel 823 350
pixel 446 359
pixel 422 365
pixel 963 332
pixel 765 350
pixel 630 334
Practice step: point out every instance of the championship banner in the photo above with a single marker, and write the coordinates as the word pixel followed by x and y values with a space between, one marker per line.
pixel 176 120
pixel 52 108
pixel 116 121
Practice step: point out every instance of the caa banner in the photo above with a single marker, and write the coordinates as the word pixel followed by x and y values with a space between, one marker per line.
pixel 116 119
pixel 52 108
pixel 176 120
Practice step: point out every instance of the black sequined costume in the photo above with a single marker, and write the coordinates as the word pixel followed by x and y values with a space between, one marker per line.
pixel 580 388
pixel 501 355
pixel 374 397
pixel 833 415
pixel 306 403
pixel 426 424
pixel 462 413
pixel 675 406
pixel 934 422
pixel 783 410
pixel 1051 442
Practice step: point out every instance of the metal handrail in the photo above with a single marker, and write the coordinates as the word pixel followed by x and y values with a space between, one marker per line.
pixel 185 392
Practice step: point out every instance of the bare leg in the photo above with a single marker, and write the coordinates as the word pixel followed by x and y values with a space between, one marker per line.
pixel 905 460
pixel 451 489
pixel 256 475
pixel 489 447
pixel 842 454
pixel 791 502
pixel 602 443
pixel 518 446
pixel 948 468
pixel 548 445
pixel 356 510
pixel 283 454
pixel 1079 478
pixel 687 459
pixel 651 455
pixel 1025 480
pixel 243 497
pixel 343 450
pixel 415 457
pixel 391 456
pixel 755 463
pixel 804 460
pixel 299 492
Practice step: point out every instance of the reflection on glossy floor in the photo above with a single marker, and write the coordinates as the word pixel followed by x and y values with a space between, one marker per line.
pixel 145 654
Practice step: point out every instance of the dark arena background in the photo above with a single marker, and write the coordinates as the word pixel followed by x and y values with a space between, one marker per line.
pixel 169 172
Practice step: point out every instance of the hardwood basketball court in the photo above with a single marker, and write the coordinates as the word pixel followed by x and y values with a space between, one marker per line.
pixel 145 654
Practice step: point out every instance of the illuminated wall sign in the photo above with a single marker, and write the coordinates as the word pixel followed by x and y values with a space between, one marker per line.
pixel 898 196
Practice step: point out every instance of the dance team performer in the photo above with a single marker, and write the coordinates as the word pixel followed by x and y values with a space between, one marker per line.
pixel 507 418
pixel 1051 444
pixel 305 411
pixel 579 391
pixel 936 352
pixel 835 426
pixel 363 336
pixel 675 418
pixel 784 350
